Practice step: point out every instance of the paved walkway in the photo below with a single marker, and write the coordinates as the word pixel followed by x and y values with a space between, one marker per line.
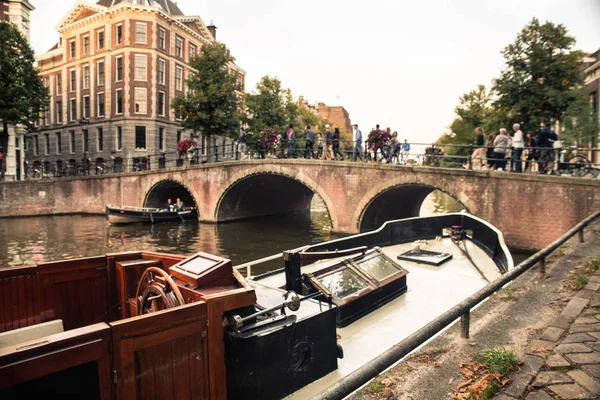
pixel 564 362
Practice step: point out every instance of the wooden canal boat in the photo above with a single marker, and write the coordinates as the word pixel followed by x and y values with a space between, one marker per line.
pixel 151 325
pixel 133 215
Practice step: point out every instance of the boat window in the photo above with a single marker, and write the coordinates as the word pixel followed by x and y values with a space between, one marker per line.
pixel 379 268
pixel 342 283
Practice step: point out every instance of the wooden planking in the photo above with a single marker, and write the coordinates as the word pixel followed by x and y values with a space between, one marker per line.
pixel 19 306
pixel 153 352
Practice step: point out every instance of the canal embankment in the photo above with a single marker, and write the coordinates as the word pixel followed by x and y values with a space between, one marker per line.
pixel 534 316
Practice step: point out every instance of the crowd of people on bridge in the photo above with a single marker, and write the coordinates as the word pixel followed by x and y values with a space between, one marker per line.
pixel 513 151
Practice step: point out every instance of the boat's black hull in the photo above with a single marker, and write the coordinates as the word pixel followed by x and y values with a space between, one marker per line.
pixel 124 216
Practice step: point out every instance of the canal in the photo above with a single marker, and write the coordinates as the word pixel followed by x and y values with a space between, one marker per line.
pixel 40 239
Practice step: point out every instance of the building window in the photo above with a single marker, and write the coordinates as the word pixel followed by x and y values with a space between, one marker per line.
pixel 72 141
pixel 100 102
pixel 178 78
pixel 178 136
pixel 161 104
pixel 86 77
pixel 140 65
pixel 99 140
pixel 86 45
pixel 58 84
pixel 140 138
pixel 161 38
pixel 58 143
pixel 72 110
pixel 85 138
pixel 203 147
pixel 100 73
pixel 86 107
pixel 119 68
pixel 161 72
pixel 119 34
pixel 46 115
pixel 119 138
pixel 161 139
pixel 72 48
pixel 25 143
pixel 140 32
pixel 72 80
pixel 192 51
pixel 178 47
pixel 46 143
pixel 36 149
pixel 141 101
pixel 59 112
pixel 119 96
pixel 100 40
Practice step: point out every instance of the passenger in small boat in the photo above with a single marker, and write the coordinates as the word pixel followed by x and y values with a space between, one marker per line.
pixel 179 205
pixel 169 206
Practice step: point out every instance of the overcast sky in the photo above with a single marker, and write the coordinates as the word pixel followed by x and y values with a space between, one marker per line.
pixel 399 63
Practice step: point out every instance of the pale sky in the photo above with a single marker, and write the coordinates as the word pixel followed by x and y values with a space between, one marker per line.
pixel 397 63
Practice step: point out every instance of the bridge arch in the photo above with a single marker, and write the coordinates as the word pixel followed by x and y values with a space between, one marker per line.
pixel 161 190
pixel 399 200
pixel 263 191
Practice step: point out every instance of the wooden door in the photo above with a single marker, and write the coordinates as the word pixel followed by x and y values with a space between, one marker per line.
pixel 162 355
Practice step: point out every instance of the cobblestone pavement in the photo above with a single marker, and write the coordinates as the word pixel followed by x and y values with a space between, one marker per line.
pixel 564 362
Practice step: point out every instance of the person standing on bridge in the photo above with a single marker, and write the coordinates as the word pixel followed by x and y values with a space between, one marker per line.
pixel 290 136
pixel 242 143
pixel 518 145
pixel 501 144
pixel 309 136
pixel 479 152
pixel 357 138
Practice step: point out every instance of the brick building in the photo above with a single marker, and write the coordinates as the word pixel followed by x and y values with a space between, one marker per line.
pixel 336 115
pixel 591 65
pixel 17 12
pixel 111 78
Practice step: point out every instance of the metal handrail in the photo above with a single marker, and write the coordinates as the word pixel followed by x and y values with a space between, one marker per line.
pixel 248 266
pixel 356 379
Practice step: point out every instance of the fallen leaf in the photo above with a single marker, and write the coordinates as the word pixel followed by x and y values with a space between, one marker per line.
pixel 387 382
pixel 464 384
pixel 506 317
pixel 450 381
pixel 437 364
pixel 473 343
pixel 506 381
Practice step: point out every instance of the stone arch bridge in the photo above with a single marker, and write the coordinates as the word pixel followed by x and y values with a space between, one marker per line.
pixel 531 210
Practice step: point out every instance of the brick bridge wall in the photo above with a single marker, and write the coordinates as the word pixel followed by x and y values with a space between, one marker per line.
pixel 531 210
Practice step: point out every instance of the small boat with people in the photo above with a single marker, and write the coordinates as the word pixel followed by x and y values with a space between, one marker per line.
pixel 137 324
pixel 133 215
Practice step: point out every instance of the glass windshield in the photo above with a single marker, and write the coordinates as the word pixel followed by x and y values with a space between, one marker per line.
pixel 342 283
pixel 379 268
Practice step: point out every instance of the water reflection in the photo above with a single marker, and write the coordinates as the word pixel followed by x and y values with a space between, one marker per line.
pixel 439 203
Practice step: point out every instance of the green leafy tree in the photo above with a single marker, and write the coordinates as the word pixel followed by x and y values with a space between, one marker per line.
pixel 474 110
pixel 22 94
pixel 580 124
pixel 541 71
pixel 211 105
pixel 270 106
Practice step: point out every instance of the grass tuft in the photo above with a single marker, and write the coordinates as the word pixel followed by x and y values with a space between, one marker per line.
pixel 375 387
pixel 499 360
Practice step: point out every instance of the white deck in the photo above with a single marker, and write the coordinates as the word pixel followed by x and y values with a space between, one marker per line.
pixel 431 292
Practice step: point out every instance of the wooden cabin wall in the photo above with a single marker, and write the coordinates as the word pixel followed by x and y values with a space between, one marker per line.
pixel 19 296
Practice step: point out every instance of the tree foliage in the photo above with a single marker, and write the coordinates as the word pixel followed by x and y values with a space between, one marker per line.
pixel 580 124
pixel 541 71
pixel 270 106
pixel 22 94
pixel 211 105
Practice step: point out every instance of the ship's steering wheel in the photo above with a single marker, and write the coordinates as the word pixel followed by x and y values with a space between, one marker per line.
pixel 153 295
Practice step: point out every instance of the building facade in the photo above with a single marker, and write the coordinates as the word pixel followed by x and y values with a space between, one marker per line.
pixel 17 12
pixel 336 115
pixel 591 65
pixel 111 79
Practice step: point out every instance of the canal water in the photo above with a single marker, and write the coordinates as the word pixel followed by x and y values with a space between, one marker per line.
pixel 40 239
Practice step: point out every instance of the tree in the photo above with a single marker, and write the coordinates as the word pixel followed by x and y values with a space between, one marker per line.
pixel 541 72
pixel 22 94
pixel 270 106
pixel 211 105
pixel 580 124
pixel 474 110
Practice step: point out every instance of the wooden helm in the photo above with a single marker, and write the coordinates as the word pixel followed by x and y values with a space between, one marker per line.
pixel 157 291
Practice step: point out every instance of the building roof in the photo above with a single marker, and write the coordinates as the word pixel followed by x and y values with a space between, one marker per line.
pixel 167 6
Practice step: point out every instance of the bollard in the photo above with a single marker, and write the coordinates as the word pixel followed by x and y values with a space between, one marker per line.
pixel 542 266
pixel 465 322
pixel 581 240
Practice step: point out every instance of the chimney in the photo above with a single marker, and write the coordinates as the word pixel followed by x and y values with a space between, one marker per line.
pixel 213 30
